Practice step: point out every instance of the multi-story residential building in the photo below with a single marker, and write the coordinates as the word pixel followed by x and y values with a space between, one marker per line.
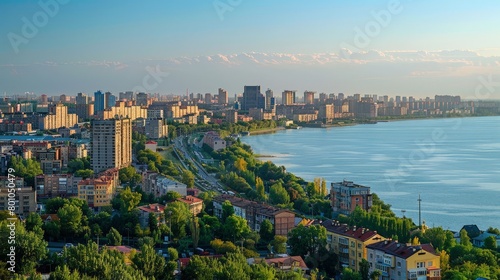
pixel 269 99
pixel 255 213
pixel 404 261
pixel 141 99
pixel 62 185
pixel 57 117
pixel 99 102
pixel 252 98
pixel 194 204
pixel 213 140
pixel 326 112
pixel 232 116
pixel 24 200
pixel 97 192
pixel 349 243
pixel 159 185
pixel 288 97
pixel 51 166
pixel 309 97
pixel 123 110
pixel 345 196
pixel 111 144
pixel 152 128
pixel 16 127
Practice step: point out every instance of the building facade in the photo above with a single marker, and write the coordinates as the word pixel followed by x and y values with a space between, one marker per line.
pixel 345 196
pixel 404 261
pixel 111 142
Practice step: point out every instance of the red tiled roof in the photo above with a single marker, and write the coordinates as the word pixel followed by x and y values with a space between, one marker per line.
pixel 287 261
pixel 358 233
pixel 189 199
pixel 401 250
pixel 152 208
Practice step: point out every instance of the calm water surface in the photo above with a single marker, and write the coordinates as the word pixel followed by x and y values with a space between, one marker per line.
pixel 454 164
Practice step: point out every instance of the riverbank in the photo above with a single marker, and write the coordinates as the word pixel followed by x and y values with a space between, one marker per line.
pixel 266 130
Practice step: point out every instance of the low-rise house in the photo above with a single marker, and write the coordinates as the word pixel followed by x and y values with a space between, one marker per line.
pixel 159 185
pixel 478 241
pixel 404 261
pixel 290 263
pixel 156 208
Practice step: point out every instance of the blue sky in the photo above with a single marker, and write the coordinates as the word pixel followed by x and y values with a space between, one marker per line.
pixel 424 48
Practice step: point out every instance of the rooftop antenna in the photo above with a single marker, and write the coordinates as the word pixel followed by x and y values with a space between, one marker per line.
pixel 419 211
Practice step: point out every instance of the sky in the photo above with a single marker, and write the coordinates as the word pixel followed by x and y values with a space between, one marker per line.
pixel 409 48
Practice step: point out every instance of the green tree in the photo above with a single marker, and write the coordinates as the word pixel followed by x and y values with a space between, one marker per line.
pixel 70 217
pixel 464 239
pixel 84 173
pixel 128 200
pixel 235 228
pixel 490 242
pixel 54 204
pixel 364 269
pixel 227 210
pixel 130 176
pixel 114 237
pixel 150 263
pixel 173 255
pixel 29 246
pixel 279 244
pixel 194 227
pixel 259 186
pixel 188 178
pixel 304 240
pixel 278 194
pixel 25 168
pixel 169 196
pixel 177 213
pixel 33 221
pixel 266 231
pixel 63 273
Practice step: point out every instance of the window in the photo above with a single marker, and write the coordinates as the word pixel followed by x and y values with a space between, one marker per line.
pixel 429 263
pixel 420 264
pixel 399 264
pixel 371 256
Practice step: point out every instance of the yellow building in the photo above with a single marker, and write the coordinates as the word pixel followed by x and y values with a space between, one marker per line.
pixel 97 192
pixel 124 110
pixel 58 117
pixel 349 243
pixel 404 261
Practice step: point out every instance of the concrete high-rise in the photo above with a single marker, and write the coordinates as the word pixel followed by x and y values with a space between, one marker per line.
pixel 109 99
pixel 288 97
pixel 252 98
pixel 223 98
pixel 99 102
pixel 309 97
pixel 269 95
pixel 111 144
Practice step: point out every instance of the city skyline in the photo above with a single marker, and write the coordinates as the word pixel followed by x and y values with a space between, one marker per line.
pixel 379 47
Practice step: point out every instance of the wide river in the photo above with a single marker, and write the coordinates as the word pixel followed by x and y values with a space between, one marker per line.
pixel 453 164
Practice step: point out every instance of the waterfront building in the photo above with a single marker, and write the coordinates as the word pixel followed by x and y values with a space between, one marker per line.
pixel 288 97
pixel 404 261
pixel 309 97
pixel 345 196
pixel 349 243
pixel 252 98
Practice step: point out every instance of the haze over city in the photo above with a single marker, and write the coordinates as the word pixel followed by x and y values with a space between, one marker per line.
pixel 418 48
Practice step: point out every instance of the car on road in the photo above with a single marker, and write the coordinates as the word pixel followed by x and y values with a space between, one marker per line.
pixel 69 245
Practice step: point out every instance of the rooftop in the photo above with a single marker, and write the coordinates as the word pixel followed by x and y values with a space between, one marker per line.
pixel 402 250
pixel 358 233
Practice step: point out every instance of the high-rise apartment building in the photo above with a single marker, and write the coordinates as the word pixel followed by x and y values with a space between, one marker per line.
pixel 141 99
pixel 57 117
pixel 288 97
pixel 309 97
pixel 223 98
pixel 111 144
pixel 99 102
pixel 110 100
pixel 252 98
pixel 269 96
